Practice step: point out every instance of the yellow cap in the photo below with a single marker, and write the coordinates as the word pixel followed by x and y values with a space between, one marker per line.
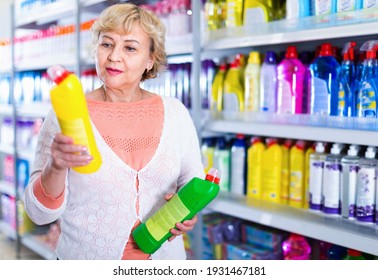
pixel 254 57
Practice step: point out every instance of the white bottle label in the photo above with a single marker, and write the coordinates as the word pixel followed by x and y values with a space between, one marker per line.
pixel 322 7
pixel 230 102
pixel 331 185
pixel 237 173
pixel 285 98
pixel 316 182
pixel 366 193
pixel 319 97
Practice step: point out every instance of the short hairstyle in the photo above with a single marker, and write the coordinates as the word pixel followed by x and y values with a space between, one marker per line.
pixel 121 18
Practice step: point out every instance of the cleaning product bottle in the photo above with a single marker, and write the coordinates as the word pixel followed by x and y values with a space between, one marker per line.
pixel 336 252
pixel 368 86
pixel 254 167
pixel 70 106
pixel 317 160
pixel 252 82
pixel 207 151
pixel 186 203
pixel 238 160
pixel 216 104
pixel 323 7
pixel 357 80
pixel 285 170
pixel 297 9
pixel 306 198
pixel 296 247
pixel 290 81
pixel 350 166
pixel 347 97
pixel 354 255
pixel 271 170
pixel 222 162
pixel 268 83
pixel 324 85
pixel 297 165
pixel 234 15
pixel 332 180
pixel 233 94
pixel 348 5
pixel 366 187
pixel 258 11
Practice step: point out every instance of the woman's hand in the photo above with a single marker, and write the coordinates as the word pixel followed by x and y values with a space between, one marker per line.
pixel 65 154
pixel 183 227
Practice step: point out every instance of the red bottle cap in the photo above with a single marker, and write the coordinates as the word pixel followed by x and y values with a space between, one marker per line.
pixel 213 175
pixel 57 73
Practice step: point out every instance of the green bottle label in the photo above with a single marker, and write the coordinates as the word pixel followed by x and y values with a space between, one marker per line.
pixel 163 220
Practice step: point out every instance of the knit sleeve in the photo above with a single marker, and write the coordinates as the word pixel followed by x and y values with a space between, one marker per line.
pixel 37 212
pixel 191 160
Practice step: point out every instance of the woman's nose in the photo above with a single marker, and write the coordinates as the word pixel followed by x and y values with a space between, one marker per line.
pixel 115 54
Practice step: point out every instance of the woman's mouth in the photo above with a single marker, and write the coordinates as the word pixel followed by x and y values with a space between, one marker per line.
pixel 113 71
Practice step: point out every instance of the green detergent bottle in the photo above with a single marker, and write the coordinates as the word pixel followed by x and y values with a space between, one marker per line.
pixel 184 205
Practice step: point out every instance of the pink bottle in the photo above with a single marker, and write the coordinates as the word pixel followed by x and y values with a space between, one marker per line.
pixel 290 83
pixel 296 247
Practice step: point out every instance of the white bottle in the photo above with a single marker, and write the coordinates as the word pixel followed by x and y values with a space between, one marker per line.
pixel 366 187
pixel 316 176
pixel 350 166
pixel 332 181
pixel 238 158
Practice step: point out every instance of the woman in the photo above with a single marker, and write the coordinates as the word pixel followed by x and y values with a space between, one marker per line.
pixel 148 145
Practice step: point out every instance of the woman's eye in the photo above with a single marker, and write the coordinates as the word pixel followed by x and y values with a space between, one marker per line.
pixel 106 45
pixel 130 49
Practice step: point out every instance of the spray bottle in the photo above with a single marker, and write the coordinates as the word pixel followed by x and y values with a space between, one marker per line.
pixel 347 98
pixel 70 106
pixel 184 205
pixel 216 104
pixel 368 87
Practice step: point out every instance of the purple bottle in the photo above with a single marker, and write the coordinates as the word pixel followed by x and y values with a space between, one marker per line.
pixel 268 83
pixel 290 83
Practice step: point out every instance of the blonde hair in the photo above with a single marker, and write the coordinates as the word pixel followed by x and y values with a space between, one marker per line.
pixel 121 18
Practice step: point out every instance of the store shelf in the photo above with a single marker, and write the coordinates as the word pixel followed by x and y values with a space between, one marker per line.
pixel 7 230
pixel 335 230
pixel 311 133
pixel 66 59
pixel 7 188
pixel 353 24
pixel 34 243
pixel 6 148
pixel 34 110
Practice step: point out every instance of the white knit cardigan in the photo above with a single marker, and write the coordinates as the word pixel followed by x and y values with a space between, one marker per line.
pixel 99 211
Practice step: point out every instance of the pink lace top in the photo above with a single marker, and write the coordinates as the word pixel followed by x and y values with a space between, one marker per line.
pixel 132 131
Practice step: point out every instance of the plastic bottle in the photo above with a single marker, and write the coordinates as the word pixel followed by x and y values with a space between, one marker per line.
pixel 234 13
pixel 332 180
pixel 290 81
pixel 366 187
pixel 348 5
pixel 233 94
pixel 296 247
pixel 347 98
pixel 186 203
pixel 258 11
pixel 216 104
pixel 297 165
pixel 207 151
pixel 70 106
pixel 324 84
pixel 268 83
pixel 306 198
pixel 252 82
pixel 357 80
pixel 238 160
pixel 336 252
pixel 369 4
pixel 297 9
pixel 323 7
pixel 350 166
pixel 368 86
pixel 285 171
pixel 354 255
pixel 222 162
pixel 271 165
pixel 254 167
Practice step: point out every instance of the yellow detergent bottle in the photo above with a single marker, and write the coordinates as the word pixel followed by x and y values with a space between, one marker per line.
pixel 233 94
pixel 272 171
pixel 297 165
pixel 70 106
pixel 254 167
pixel 257 11
pixel 252 82
pixel 310 150
pixel 216 104
pixel 189 200
pixel 285 179
pixel 234 15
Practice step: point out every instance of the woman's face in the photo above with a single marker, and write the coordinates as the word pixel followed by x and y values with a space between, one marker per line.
pixel 122 59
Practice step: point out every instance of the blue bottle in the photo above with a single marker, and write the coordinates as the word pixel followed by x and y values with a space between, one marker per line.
pixel 268 83
pixel 368 87
pixel 347 98
pixel 297 9
pixel 324 83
